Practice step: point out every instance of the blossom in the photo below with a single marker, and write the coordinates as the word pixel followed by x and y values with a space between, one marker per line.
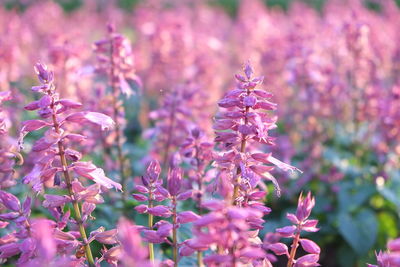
pixel 391 257
pixel 232 229
pixel 132 250
pixel 53 156
pixel 240 128
pixel 300 223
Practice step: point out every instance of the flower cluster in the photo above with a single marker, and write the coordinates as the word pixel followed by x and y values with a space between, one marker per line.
pixel 339 122
pixel 196 150
pixel 300 223
pixel 232 234
pixel 228 232
pixel 132 252
pixel 36 241
pixel 390 257
pixel 116 60
pixel 240 128
pixel 52 151
pixel 8 151
pixel 182 109
pixel 152 191
pixel 55 157
pixel 17 242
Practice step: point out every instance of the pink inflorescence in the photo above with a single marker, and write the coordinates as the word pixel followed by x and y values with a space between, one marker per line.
pixel 241 128
pixel 196 154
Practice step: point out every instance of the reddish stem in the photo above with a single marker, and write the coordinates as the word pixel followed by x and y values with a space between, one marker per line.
pixel 293 249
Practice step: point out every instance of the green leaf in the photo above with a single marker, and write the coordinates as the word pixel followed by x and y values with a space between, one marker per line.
pixel 391 190
pixel 352 196
pixel 359 230
pixel 347 256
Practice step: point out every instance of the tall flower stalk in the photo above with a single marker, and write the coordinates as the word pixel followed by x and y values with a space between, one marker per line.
pixel 301 222
pixel 151 191
pixel 115 59
pixel 8 153
pixel 197 151
pixel 241 129
pixel 53 145
pixel 68 180
pixel 150 182
pixel 178 114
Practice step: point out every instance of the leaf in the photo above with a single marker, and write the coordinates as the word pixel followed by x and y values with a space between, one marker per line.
pixel 391 195
pixel 347 256
pixel 359 230
pixel 391 189
pixel 352 196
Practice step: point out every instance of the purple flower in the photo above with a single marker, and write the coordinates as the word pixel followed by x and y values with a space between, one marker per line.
pixel 159 210
pixel 287 231
pixel 10 201
pixel 100 119
pixel 174 181
pixel 240 129
pixel 390 257
pixel 132 250
pixel 53 201
pixel 310 246
pixel 300 223
pixel 45 76
pixel 187 216
pixel 232 230
pixel 278 249
pixel 54 157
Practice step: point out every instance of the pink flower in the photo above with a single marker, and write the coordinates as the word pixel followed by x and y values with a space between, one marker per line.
pixel 301 223
pixel 9 250
pixel 53 201
pixel 45 242
pixel 90 171
pixel 10 201
pixel 310 246
pixel 187 216
pixel 279 249
pixel 107 237
pixel 133 252
pixel 243 127
pixel 286 231
pixel 307 260
pixel 159 211
pixel 104 121
pixel 390 257
pixel 174 181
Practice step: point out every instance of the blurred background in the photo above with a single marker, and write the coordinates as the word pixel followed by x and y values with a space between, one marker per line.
pixel 333 67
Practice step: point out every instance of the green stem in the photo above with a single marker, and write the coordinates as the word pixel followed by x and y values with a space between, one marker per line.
pixel 199 200
pixel 120 155
pixel 68 181
pixel 174 234
pixel 200 259
pixel 150 224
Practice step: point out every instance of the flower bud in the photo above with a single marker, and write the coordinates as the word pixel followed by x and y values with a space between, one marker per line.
pixel 174 181
pixel 279 249
pixel 310 246
pixel 10 201
pixel 187 216
pixel 160 210
pixel 286 231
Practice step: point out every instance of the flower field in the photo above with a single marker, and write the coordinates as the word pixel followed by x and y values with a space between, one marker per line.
pixel 199 133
